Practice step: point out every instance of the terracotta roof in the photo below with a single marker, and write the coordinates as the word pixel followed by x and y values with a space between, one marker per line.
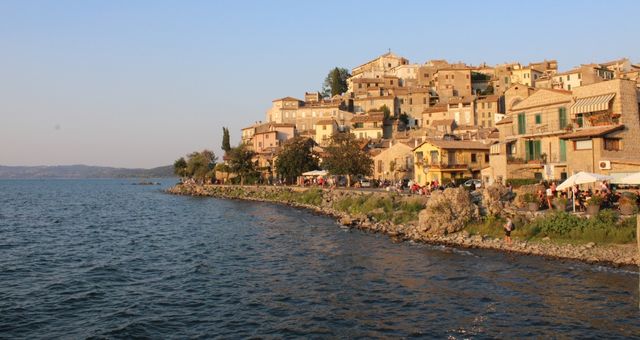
pixel 505 120
pixel 436 108
pixel 457 100
pixel 592 132
pixel 438 122
pixel 286 99
pixel 458 144
pixel 370 117
pixel 326 122
pixel 490 98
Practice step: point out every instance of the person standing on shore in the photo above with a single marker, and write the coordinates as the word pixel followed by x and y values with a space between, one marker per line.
pixel 508 227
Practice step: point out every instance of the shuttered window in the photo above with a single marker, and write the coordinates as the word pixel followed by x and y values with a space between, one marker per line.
pixel 522 128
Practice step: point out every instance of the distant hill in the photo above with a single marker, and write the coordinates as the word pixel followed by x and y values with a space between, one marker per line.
pixel 81 171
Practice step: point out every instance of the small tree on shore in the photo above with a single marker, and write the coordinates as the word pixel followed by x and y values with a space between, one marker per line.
pixel 345 157
pixel 200 165
pixel 180 167
pixel 295 158
pixel 241 162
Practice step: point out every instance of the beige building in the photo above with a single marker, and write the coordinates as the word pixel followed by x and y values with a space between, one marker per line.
pixel 394 162
pixel 270 135
pixel 447 160
pixel 435 113
pixel 583 75
pixel 606 134
pixel 368 126
pixel 453 82
pixel 529 145
pixel 462 110
pixel 305 114
pixel 325 129
pixel 412 101
pixel 488 110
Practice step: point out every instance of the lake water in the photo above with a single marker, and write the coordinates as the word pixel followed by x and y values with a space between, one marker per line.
pixel 107 259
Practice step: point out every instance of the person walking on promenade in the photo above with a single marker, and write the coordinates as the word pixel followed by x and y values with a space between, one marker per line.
pixel 508 227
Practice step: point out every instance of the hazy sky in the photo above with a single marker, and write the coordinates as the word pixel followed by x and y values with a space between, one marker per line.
pixel 140 83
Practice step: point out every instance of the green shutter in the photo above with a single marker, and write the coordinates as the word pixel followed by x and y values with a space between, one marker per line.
pixel 562 117
pixel 563 150
pixel 522 128
pixel 537 149
pixel 538 118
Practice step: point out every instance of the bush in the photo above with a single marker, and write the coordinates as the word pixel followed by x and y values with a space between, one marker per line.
pixel 312 196
pixel 518 182
pixel 602 228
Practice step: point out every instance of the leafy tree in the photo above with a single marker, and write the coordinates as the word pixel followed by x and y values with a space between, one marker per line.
pixel 240 162
pixel 404 118
pixel 226 145
pixel 180 167
pixel 200 165
pixel 344 157
pixel 385 109
pixel 296 157
pixel 335 82
pixel 487 91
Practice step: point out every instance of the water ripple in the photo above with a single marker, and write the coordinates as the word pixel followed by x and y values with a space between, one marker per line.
pixel 99 259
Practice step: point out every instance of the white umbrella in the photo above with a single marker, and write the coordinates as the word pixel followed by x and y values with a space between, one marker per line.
pixel 633 179
pixel 315 173
pixel 582 178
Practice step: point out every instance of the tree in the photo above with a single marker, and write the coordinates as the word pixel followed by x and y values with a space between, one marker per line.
pixel 180 167
pixel 241 162
pixel 226 145
pixel 345 157
pixel 385 109
pixel 201 165
pixel 295 158
pixel 335 82
pixel 404 118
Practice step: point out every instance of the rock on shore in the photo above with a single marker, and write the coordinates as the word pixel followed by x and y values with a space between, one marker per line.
pixel 441 222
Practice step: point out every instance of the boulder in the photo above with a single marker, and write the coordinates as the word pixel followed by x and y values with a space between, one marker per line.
pixel 495 198
pixel 447 212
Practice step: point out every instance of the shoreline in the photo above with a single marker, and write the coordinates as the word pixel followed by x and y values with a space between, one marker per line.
pixel 613 255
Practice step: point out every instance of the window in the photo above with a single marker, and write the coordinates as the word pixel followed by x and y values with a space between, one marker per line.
pixel 489 105
pixel 435 159
pixel 583 144
pixel 563 150
pixel 538 118
pixel 452 77
pixel 579 120
pixel 359 86
pixel 410 101
pixel 522 128
pixel 324 127
pixel 424 100
pixel 568 77
pixel 486 158
pixel 391 81
pixel 474 158
pixel 380 166
pixel 533 149
pixel 569 87
pixel 612 144
pixel 562 117
pixel 506 80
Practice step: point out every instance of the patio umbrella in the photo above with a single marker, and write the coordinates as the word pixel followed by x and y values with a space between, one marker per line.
pixel 581 178
pixel 633 179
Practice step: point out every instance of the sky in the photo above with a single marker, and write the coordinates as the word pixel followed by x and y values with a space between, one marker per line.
pixel 140 83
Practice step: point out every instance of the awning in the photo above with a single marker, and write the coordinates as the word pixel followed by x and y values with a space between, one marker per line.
pixel 592 104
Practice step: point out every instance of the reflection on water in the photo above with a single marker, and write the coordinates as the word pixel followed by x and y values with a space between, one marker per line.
pixel 103 258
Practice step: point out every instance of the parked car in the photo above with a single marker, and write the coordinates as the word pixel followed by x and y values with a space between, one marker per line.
pixel 365 183
pixel 473 184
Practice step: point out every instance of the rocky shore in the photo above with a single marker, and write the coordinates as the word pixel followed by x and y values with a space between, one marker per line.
pixel 433 227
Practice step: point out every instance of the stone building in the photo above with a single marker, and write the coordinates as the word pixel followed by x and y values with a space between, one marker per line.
pixel 368 126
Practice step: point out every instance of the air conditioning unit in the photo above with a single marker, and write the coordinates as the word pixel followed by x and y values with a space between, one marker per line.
pixel 604 165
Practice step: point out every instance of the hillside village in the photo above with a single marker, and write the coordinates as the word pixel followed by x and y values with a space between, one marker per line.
pixel 442 121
